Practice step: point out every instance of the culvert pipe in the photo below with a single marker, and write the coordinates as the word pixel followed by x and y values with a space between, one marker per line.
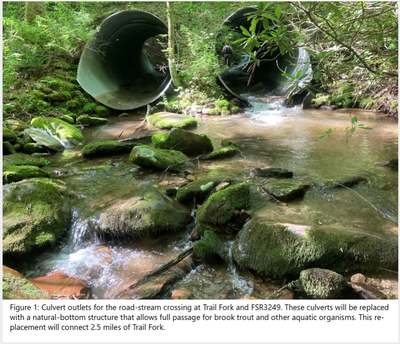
pixel 267 78
pixel 114 68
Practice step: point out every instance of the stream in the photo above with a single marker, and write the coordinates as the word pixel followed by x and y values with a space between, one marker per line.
pixel 267 136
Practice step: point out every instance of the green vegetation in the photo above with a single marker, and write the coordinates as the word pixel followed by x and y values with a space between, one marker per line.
pixel 166 120
pixel 12 174
pixel 105 148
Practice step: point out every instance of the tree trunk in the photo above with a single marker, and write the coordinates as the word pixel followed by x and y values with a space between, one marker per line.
pixel 33 9
pixel 171 46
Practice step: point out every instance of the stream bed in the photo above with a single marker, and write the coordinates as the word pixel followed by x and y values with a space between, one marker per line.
pixel 267 136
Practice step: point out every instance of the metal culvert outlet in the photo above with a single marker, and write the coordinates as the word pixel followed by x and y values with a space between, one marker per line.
pixel 119 67
pixel 267 78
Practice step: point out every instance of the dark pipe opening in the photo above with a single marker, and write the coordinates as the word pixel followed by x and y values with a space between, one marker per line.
pixel 267 78
pixel 114 68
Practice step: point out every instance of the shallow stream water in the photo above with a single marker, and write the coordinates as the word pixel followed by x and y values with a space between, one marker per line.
pixel 267 136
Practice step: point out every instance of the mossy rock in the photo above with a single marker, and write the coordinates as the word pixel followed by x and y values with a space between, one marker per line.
pixel 105 148
pixel 203 250
pixel 102 111
pixel 321 283
pixel 87 120
pixel 38 95
pixel 9 135
pixel 31 148
pixel 20 159
pixel 89 108
pixel 8 148
pixel 160 159
pixel 67 118
pixel 67 133
pixel 17 287
pixel 286 190
pixel 221 206
pixel 36 213
pixel 169 120
pixel 148 212
pixel 221 153
pixel 42 138
pixel 184 141
pixel 216 244
pixel 12 174
pixel 393 164
pixel 60 96
pixel 228 142
pixel 273 249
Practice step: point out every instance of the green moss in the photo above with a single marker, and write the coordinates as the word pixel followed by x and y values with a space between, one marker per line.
pixel 8 148
pixel 12 174
pixel 60 96
pixel 228 142
pixel 20 159
pixel 216 244
pixel 214 112
pixel 221 206
pixel 167 120
pixel 63 65
pixel 203 250
pixel 16 288
pixel 89 108
pixel 67 86
pixel 105 148
pixel 102 111
pixel 67 118
pixel 220 153
pixel 59 128
pixel 286 189
pixel 200 228
pixel 31 148
pixel 222 104
pixel 86 119
pixel 9 135
pixel 38 95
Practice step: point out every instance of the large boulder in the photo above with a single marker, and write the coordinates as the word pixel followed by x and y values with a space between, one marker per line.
pixel 44 139
pixel 65 132
pixel 20 159
pixel 221 206
pixel 184 141
pixel 107 148
pixel 36 213
pixel 274 249
pixel 160 159
pixel 12 174
pixel 148 212
pixel 169 120
pixel 286 190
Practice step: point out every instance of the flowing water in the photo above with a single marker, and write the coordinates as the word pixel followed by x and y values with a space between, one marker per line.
pixel 267 136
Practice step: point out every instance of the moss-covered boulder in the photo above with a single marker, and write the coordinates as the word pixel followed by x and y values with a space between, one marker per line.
pixel 107 148
pixel 36 213
pixel 12 174
pixel 321 283
pixel 169 120
pixel 31 148
pixel 273 249
pixel 221 153
pixel 203 250
pixel 9 135
pixel 182 140
pixel 149 212
pixel 271 172
pixel 67 118
pixel 160 159
pixel 228 142
pixel 44 139
pixel 67 133
pixel 88 120
pixel 21 159
pixel 60 96
pixel 102 111
pixel 8 148
pixel 221 206
pixel 17 287
pixel 286 190
pixel 217 245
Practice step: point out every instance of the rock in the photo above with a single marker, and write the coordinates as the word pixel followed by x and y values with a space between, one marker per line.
pixel 272 248
pixel 349 182
pixel 220 206
pixel 105 148
pixel 203 250
pixel 101 111
pixel 171 191
pixel 67 118
pixel 181 294
pixel 216 244
pixel 228 142
pixel 125 114
pixel 59 284
pixel 168 120
pixel 59 96
pixel 191 177
pixel 393 164
pixel 357 278
pixel 9 135
pixel 184 141
pixel 242 217
pixel 12 174
pixel 368 292
pixel 44 139
pixel 222 186
pixel 286 190
pixel 36 213
pixel 8 148
pixel 321 283
pixel 15 124
pixel 31 148
pixel 271 172
pixel 20 159
pixel 328 107
pixel 86 119
pixel 220 153
pixel 148 212
pixel 67 133
pixel 307 101
pixel 160 159
pixel 17 287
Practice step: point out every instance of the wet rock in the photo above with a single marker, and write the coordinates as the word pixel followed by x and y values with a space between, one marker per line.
pixel 221 153
pixel 8 148
pixel 271 172
pixel 171 192
pixel 357 278
pixel 286 190
pixel 368 292
pixel 221 206
pixel 63 286
pixel 17 287
pixel 106 148
pixel 184 141
pixel 20 159
pixel 181 294
pixel 222 186
pixel 321 283
pixel 148 212
pixel 393 164
pixel 89 121
pixel 217 246
pixel 9 135
pixel 67 133
pixel 272 248
pixel 44 139
pixel 307 101
pixel 242 216
pixel 124 114
pixel 228 142
pixel 67 118
pixel 169 120
pixel 31 148
pixel 12 174
pixel 349 182
pixel 203 251
pixel 36 213
pixel 160 159
pixel 101 111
